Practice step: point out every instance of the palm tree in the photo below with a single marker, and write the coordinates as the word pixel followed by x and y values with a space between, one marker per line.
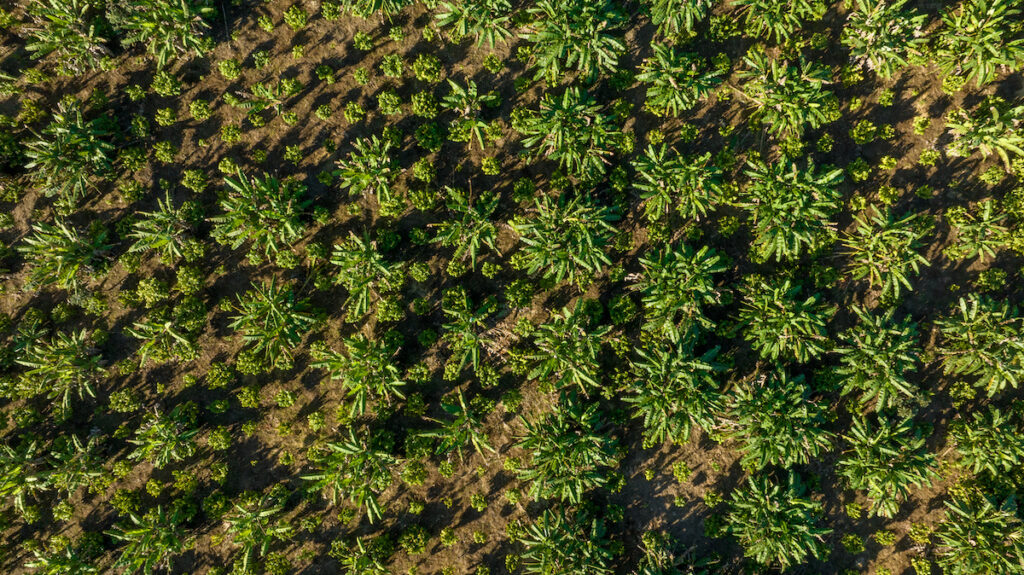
pixel 776 524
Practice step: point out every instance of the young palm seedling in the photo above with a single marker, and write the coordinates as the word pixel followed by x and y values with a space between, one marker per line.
pixel 272 322
pixel 776 524
pixel 676 80
pixel 574 34
pixel 877 354
pixel 264 211
pixel 886 461
pixel 354 469
pixel 573 131
pixel 673 182
pixel 793 434
pixel 790 208
pixel 471 227
pixel 152 540
pixel 674 391
pixel 59 254
pixel 984 340
pixel 570 452
pixel 781 325
pixel 568 350
pixel 565 239
pixel 677 283
pixel 886 251
pixel 366 370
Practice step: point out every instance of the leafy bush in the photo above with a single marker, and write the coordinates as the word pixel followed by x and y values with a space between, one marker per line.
pixel 575 34
pixel 775 524
pixel 790 207
pixel 573 131
pixel 793 434
pixel 886 461
pixel 984 340
pixel 264 211
pixel 570 453
pixel 566 238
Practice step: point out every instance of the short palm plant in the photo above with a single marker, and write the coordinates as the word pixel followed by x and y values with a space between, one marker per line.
pixel 978 537
pixel 67 366
pixel 366 8
pixel 676 284
pixel 485 20
pixel 164 337
pixel 673 182
pixel 168 28
pixel 355 469
pixel 60 254
pixel 676 80
pixel 254 524
pixel 22 472
pixel 366 371
pixel 793 434
pixel 264 211
pixel 62 557
pixel 988 443
pixel 164 438
pixel 886 460
pixel 272 322
pixel 883 36
pixel 468 102
pixel 465 329
pixel 464 426
pixel 978 40
pixel 70 153
pixel 778 21
pixel 886 250
pixel 70 29
pixel 168 231
pixel 980 232
pixel 775 523
pixel 572 130
pixel 369 168
pixel 571 451
pixel 790 208
pixel 565 239
pixel 471 227
pixel 568 350
pixel 993 127
pixel 984 338
pixel 674 391
pixel 149 542
pixel 75 464
pixel 876 355
pixel 781 324
pixel 566 543
pixel 574 34
pixel 364 272
pixel 786 97
pixel 679 18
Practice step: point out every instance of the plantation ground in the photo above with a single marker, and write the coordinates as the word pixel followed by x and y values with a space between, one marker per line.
pixel 643 493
